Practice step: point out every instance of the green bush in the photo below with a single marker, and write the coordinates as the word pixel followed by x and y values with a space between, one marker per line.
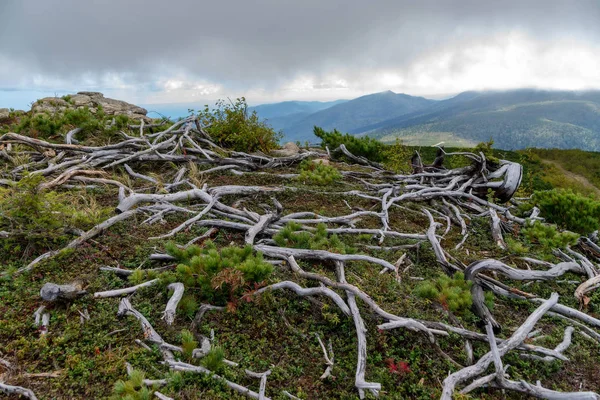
pixel 548 236
pixel 359 146
pixel 397 157
pixel 188 344
pixel 488 152
pixel 569 210
pixel 453 293
pixel 214 359
pixel 231 126
pixel 318 173
pixel 49 126
pixel 132 389
pixel 37 220
pixel 293 236
pixel 218 276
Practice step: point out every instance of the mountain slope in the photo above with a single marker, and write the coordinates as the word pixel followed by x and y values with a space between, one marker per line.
pixel 514 119
pixel 354 114
pixel 286 113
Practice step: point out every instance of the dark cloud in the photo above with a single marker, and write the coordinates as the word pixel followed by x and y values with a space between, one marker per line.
pixel 265 43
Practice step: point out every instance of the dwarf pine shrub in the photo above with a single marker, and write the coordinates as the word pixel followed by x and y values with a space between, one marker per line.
pixel 318 173
pixel 453 293
pixel 232 126
pixel 39 219
pixel 50 126
pixel 359 146
pixel 569 210
pixel 548 235
pixel 293 236
pixel 132 389
pixel 217 276
pixel 397 157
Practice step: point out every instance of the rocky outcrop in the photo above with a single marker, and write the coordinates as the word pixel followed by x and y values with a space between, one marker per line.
pixel 92 100
pixel 289 149
pixel 4 113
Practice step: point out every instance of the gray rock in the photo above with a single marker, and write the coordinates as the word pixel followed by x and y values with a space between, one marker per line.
pixel 92 100
pixel 289 149
pixel 4 113
pixel 49 105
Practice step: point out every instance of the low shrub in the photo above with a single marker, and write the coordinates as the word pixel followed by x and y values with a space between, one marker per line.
pixel 548 235
pixel 232 126
pixel 318 173
pixel 359 146
pixel 132 389
pixel 37 220
pixel 293 236
pixel 488 152
pixel 396 157
pixel 453 293
pixel 569 210
pixel 217 276
pixel 50 126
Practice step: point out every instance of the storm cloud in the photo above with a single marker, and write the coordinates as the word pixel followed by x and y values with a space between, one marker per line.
pixel 159 51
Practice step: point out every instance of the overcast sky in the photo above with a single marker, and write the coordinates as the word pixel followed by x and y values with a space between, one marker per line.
pixel 148 51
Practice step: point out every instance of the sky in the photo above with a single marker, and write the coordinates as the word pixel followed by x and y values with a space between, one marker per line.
pixel 196 51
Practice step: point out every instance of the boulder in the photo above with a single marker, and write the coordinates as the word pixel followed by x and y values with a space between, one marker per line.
pixel 289 149
pixel 323 161
pixel 49 105
pixel 92 100
pixel 4 113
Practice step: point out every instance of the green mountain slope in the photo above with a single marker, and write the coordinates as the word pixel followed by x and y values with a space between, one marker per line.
pixel 353 114
pixel 514 119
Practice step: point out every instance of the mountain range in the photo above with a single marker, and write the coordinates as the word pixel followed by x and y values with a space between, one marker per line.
pixel 514 119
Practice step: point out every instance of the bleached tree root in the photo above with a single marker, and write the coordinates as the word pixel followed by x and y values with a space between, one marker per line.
pixel 497 352
pixel 359 325
pixel 161 396
pixel 19 390
pixel 564 345
pixel 169 314
pixel 263 381
pixel 299 290
pixel 125 291
pixel 184 367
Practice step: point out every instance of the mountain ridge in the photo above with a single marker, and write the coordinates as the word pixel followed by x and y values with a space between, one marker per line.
pixel 515 118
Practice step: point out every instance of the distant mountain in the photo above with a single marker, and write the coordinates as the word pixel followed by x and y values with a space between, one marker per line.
pixel 515 119
pixel 287 113
pixel 352 115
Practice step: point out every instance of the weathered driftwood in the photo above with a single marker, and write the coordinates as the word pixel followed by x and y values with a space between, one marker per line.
pixel 125 308
pixel 263 381
pixel 184 367
pixel 284 252
pixel 396 321
pixel 299 290
pixel 18 390
pixel 161 396
pixel 359 380
pixel 169 314
pixel 564 345
pixel 473 271
pixel 125 291
pixel 328 355
pixel 482 364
